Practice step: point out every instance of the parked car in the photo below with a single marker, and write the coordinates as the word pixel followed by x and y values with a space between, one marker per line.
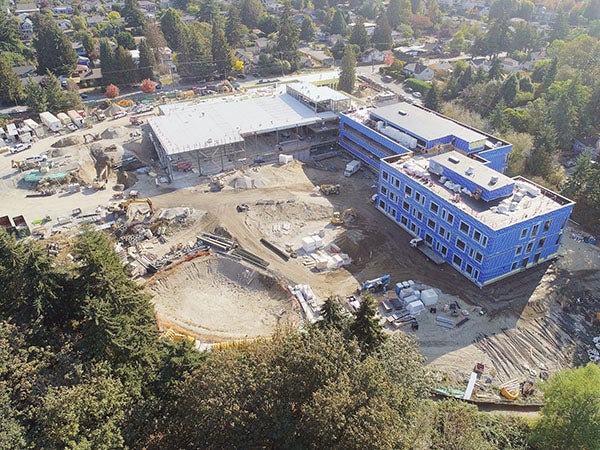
pixel 71 126
pixel 36 159
pixel 241 76
pixel 417 94
pixel 120 114
pixel 20 147
pixel 387 78
pixel 83 96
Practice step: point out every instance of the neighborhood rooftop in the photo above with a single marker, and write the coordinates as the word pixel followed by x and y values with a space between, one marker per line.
pixel 424 123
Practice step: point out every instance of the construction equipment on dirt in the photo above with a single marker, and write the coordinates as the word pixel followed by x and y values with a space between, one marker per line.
pixel 216 184
pixel 329 189
pixel 243 207
pixel 510 390
pixel 124 206
pixel 136 121
pixel 178 337
pixel 99 184
pixel 22 166
pixel 346 216
pixel 377 284
pixel 93 137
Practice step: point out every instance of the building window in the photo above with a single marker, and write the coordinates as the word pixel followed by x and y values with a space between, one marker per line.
pixel 529 247
pixel 514 266
pixel 519 250
pixel 478 257
pixel 404 220
pixel 413 227
pixel 383 190
pixel 558 239
pixel 476 274
pixel 547 225
pixel 536 258
pixel 457 260
pixel 408 190
pixel 429 239
pixel 469 269
pixel 405 206
pixel 393 197
pixel 476 235
pixel 535 229
pixel 484 240
pixel 442 231
pixel 444 250
pixel 431 224
pixel 418 196
pixel 524 262
pixel 523 233
pixel 381 204
pixel 464 227
pixel 450 218
pixel 397 183
pixel 461 244
pixel 419 215
pixel 434 208
pixel 541 243
pixel 384 175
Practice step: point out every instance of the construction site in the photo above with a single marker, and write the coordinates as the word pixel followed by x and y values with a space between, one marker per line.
pixel 264 237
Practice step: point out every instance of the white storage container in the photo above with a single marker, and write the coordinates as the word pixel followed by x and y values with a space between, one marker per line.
pixel 415 307
pixel 429 297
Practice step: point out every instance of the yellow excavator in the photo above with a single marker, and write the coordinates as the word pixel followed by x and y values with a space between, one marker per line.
pixel 340 218
pixel 123 206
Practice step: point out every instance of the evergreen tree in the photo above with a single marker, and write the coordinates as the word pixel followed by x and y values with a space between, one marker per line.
pixel 510 89
pixel 287 37
pixel 366 327
pixel 155 39
pixel 10 40
pixel 398 12
pixel 53 48
pixel 11 90
pixel 107 62
pixel 58 100
pixel 147 62
pixel 581 176
pixel 551 72
pixel 125 39
pixel 338 49
pixel 332 314
pixel 250 12
pixel 235 31
pixel 35 97
pixel 132 14
pixel 348 70
pixel 359 36
pixel 382 36
pixel 495 72
pixel 560 28
pixel 542 159
pixel 432 98
pixel 338 24
pixel 307 30
pixel 221 51
pixel 173 28
pixel 127 72
pixel 195 60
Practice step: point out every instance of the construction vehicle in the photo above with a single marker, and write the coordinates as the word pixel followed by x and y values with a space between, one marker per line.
pixel 377 284
pixel 329 189
pixel 136 121
pixel 123 206
pixel 25 165
pixel 93 137
pixel 216 184
pixel 242 207
pixel 352 167
pixel 178 337
pixel 99 184
pixel 340 218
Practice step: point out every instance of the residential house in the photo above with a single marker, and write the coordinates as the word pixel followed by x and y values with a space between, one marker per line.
pixel 62 9
pixel 26 8
pixel 147 6
pixel 318 55
pixel 442 67
pixel 26 29
pixel 418 71
pixel 510 65
pixel 93 77
pixel 64 24
pixel 79 49
pixel 374 56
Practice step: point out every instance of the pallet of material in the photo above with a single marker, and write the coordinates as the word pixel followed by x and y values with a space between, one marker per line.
pixel 444 320
pixel 444 325
pixel 462 322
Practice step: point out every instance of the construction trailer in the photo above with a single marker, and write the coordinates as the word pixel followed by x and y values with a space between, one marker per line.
pixel 51 121
pixel 35 127
pixel 64 119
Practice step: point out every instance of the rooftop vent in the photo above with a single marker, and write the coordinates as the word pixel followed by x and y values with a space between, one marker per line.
pixel 453 160
pixel 402 112
pixel 493 180
pixel 470 170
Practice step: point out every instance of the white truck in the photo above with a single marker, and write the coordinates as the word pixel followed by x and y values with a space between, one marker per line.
pixel 351 168
pixel 51 121
pixel 76 118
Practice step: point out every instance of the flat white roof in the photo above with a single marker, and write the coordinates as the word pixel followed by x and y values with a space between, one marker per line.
pixel 193 126
pixel 480 174
pixel 318 93
pixel 425 124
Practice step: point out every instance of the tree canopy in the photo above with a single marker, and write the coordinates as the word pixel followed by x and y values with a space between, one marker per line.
pixel 53 49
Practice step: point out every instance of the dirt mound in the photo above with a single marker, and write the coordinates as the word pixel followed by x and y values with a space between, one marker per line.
pixel 218 298
pixel 285 217
pixel 114 133
pixel 67 141
pixel 247 181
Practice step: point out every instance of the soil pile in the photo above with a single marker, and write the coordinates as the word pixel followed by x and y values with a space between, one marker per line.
pixel 67 141
pixel 114 133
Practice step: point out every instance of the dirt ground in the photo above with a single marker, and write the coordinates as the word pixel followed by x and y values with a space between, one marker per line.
pixel 526 327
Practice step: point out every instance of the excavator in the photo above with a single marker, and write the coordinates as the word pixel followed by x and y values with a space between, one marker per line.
pixel 340 218
pixel 123 206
